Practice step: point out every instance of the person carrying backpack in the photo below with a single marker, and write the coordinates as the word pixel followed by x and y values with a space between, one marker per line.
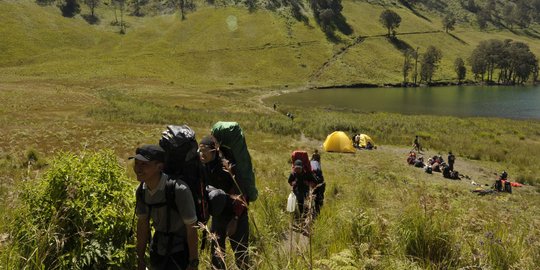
pixel 228 206
pixel 170 206
pixel 301 182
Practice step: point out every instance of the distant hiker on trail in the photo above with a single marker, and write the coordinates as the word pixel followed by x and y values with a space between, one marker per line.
pixel 451 160
pixel 316 156
pixel 416 144
pixel 275 106
pixel 301 182
pixel 317 170
pixel 227 207
pixel 173 215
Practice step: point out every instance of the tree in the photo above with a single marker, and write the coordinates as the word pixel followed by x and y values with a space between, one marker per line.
pixel 535 4
pixel 429 63
pixel 120 5
pixel 183 6
pixel 327 14
pixel 470 6
pixel 390 20
pixel 407 64
pixel 92 4
pixel 508 14
pixel 459 67
pixel 514 61
pixel 70 8
pixel 449 21
pixel 491 7
pixel 482 18
pixel 523 14
pixel 137 4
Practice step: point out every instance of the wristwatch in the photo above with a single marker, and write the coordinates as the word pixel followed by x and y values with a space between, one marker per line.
pixel 194 263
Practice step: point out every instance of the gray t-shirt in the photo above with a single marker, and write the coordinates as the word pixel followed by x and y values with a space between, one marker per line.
pixel 178 220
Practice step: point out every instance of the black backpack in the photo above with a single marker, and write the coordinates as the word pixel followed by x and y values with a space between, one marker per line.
pixel 182 163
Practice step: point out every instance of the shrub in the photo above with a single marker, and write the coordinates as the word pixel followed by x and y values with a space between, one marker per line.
pixel 79 216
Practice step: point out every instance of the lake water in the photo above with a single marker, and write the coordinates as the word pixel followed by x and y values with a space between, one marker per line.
pixel 521 102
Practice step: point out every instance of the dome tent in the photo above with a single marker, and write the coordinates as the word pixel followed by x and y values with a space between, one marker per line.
pixel 364 139
pixel 338 141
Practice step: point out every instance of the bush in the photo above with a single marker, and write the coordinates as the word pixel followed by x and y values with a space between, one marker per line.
pixel 79 216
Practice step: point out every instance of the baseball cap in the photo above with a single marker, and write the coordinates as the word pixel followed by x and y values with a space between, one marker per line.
pixel 298 163
pixel 149 152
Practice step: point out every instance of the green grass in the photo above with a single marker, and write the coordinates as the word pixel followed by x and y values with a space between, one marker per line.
pixel 265 50
pixel 68 86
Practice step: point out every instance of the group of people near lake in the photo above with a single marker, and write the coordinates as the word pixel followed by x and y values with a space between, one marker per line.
pixel 184 184
pixel 433 164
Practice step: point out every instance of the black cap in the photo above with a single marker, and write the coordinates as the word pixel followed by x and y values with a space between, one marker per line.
pixel 298 163
pixel 149 152
pixel 208 141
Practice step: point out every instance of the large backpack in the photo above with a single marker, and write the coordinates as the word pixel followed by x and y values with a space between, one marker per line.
pixel 232 144
pixel 182 163
pixel 303 156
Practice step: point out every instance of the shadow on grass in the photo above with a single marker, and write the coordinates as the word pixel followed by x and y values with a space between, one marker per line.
pixel 338 23
pixel 458 39
pixel 406 4
pixel 401 45
pixel 91 19
pixel 532 33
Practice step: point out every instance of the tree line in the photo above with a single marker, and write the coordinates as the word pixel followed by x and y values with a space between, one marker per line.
pixel 512 61
pixel 504 62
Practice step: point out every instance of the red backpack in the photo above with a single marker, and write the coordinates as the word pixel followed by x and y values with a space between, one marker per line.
pixel 303 156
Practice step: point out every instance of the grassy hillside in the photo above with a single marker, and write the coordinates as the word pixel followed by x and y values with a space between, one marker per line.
pixel 69 86
pixel 225 47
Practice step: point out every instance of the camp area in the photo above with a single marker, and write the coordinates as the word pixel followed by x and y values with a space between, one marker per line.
pixel 269 134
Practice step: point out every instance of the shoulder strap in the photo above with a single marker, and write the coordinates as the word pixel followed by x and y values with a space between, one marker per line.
pixel 170 194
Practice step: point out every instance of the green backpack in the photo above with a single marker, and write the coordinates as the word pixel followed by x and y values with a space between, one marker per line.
pixel 233 145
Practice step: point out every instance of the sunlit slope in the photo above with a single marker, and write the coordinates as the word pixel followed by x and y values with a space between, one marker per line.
pixel 224 47
pixel 213 47
pixel 376 60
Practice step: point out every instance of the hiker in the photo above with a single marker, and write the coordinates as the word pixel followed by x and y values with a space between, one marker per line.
pixel 228 206
pixel 301 182
pixel 416 145
pixel 173 215
pixel 451 160
pixel 319 191
pixel 275 106
pixel 316 156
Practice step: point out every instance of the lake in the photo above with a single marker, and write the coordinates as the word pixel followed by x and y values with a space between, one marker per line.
pixel 517 102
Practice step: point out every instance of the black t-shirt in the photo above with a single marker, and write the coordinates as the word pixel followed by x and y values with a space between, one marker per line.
pixel 302 181
pixel 219 178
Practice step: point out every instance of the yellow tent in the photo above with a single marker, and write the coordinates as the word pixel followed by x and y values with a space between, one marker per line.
pixel 364 139
pixel 338 141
